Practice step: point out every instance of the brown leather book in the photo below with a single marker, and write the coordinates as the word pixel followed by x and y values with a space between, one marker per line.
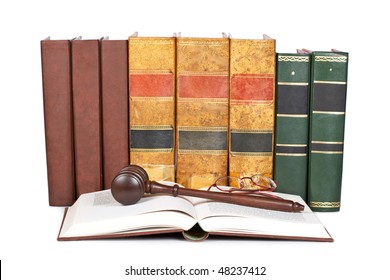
pixel 115 112
pixel 152 104
pixel 87 115
pixel 57 98
pixel 202 114
pixel 252 106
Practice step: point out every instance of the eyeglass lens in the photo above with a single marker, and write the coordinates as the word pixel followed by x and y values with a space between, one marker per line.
pixel 228 181
pixel 262 181
pixel 247 183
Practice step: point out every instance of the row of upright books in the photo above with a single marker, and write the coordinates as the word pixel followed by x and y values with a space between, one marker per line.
pixel 310 119
pixel 192 110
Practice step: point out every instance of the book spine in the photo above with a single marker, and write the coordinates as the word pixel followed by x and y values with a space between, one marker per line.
pixel 252 105
pixel 202 110
pixel 327 120
pixel 152 103
pixel 87 115
pixel 292 123
pixel 57 98
pixel 115 107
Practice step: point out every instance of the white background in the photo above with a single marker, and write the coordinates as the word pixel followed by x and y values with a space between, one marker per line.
pixel 29 227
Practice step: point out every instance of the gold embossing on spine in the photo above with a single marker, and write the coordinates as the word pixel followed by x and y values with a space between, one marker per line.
pixel 292 115
pixel 328 113
pixel 320 204
pixel 292 84
pixel 330 82
pixel 289 58
pixel 326 58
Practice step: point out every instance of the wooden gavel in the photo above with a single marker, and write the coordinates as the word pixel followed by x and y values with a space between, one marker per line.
pixel 132 182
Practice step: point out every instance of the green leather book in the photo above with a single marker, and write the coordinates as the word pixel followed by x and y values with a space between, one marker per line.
pixel 292 123
pixel 327 119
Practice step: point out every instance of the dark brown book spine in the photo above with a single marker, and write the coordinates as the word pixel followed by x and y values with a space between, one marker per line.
pixel 87 115
pixel 57 98
pixel 115 109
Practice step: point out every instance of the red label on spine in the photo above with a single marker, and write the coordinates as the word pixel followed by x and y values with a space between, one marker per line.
pixel 151 85
pixel 252 87
pixel 203 86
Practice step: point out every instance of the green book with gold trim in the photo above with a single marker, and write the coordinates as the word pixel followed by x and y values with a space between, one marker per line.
pixel 327 120
pixel 292 123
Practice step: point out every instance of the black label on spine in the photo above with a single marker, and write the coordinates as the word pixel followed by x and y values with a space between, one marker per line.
pixel 325 147
pixel 290 150
pixel 202 140
pixel 292 99
pixel 329 97
pixel 251 142
pixel 151 139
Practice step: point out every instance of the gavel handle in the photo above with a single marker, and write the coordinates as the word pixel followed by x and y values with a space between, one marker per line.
pixel 240 199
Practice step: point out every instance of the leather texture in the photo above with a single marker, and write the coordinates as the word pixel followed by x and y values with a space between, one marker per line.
pixel 87 115
pixel 292 123
pixel 152 105
pixel 202 110
pixel 252 105
pixel 57 97
pixel 327 113
pixel 115 107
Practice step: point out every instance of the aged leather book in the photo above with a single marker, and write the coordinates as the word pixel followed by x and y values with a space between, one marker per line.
pixel 87 115
pixel 202 116
pixel 327 121
pixel 292 123
pixel 115 107
pixel 252 105
pixel 57 98
pixel 152 104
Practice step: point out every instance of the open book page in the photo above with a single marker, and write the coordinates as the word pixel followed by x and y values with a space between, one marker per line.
pixel 230 218
pixel 99 213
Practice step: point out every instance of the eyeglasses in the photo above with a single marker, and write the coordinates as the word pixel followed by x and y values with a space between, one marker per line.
pixel 257 184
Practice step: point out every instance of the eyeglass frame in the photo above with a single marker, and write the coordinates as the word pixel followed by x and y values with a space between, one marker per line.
pixel 240 190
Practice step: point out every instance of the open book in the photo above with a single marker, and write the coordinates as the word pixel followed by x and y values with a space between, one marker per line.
pixel 98 215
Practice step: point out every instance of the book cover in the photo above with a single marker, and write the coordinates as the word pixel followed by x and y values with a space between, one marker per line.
pixel 115 107
pixel 87 115
pixel 202 110
pixel 57 103
pixel 152 103
pixel 292 123
pixel 252 106
pixel 327 121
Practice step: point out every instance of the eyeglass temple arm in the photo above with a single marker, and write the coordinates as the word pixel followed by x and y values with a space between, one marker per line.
pixel 244 200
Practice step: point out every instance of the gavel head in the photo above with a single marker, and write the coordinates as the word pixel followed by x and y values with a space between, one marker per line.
pixel 129 184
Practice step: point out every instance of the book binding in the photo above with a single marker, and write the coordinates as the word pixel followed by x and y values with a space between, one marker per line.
pixel 152 103
pixel 58 118
pixel 292 123
pixel 202 110
pixel 252 105
pixel 327 121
